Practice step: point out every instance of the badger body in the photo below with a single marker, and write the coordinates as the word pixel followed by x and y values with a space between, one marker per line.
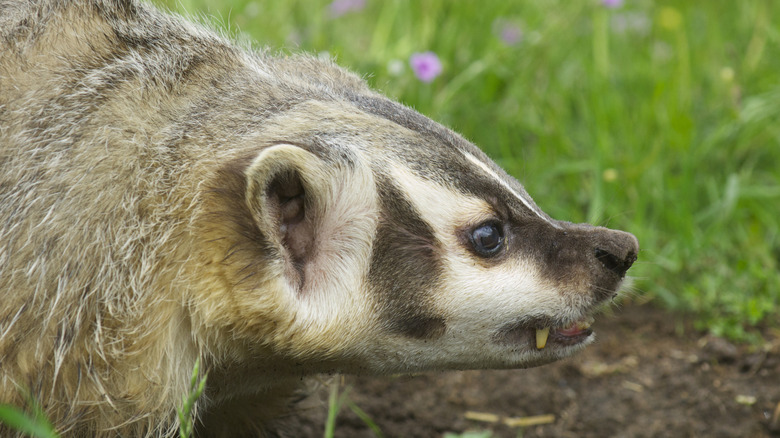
pixel 167 197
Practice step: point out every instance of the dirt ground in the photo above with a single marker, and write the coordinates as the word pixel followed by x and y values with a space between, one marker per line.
pixel 648 375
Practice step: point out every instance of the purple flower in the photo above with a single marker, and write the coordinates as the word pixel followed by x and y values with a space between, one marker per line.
pixel 341 7
pixel 511 35
pixel 612 3
pixel 507 31
pixel 426 66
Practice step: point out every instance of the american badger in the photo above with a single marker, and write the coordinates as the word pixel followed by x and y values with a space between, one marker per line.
pixel 167 196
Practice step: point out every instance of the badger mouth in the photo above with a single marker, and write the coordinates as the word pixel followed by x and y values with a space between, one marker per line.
pixel 544 333
pixel 572 334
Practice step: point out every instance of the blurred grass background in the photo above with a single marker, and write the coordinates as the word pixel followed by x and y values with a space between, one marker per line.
pixel 658 117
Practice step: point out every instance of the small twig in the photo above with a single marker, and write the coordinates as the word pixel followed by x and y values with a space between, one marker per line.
pixel 482 416
pixel 534 420
pixel 636 387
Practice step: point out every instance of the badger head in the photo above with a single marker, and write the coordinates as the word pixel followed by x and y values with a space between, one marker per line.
pixel 359 236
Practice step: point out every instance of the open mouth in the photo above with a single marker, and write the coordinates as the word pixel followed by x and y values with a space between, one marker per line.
pixel 543 333
pixel 571 334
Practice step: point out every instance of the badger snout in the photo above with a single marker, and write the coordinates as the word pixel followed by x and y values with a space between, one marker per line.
pixel 616 250
pixel 584 264
pixel 582 258
pixel 608 255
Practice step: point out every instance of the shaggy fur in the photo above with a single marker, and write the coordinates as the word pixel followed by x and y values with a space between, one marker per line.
pixel 168 197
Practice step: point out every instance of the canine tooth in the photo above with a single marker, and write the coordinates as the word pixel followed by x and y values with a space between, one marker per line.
pixel 541 337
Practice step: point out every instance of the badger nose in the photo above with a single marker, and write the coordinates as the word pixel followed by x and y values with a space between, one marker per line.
pixel 616 250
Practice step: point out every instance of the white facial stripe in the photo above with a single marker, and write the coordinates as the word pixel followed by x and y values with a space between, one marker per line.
pixel 442 208
pixel 516 284
pixel 522 199
pixel 476 300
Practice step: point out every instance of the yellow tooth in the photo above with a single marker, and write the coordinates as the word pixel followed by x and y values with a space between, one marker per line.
pixel 541 337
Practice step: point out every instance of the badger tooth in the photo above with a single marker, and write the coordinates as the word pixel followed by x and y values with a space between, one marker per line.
pixel 541 337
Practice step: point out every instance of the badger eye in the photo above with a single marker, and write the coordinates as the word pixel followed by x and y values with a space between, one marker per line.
pixel 487 239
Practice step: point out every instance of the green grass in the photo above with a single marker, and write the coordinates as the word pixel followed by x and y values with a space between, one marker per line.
pixel 660 118
pixel 32 421
pixel 337 398
pixel 186 412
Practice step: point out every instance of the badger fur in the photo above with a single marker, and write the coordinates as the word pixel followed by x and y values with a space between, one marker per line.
pixel 167 197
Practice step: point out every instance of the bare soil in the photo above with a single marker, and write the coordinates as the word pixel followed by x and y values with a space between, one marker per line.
pixel 648 375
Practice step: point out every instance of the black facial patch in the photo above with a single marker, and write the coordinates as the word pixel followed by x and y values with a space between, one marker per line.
pixel 405 266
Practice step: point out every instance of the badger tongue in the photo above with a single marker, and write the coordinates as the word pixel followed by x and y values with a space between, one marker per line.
pixel 541 337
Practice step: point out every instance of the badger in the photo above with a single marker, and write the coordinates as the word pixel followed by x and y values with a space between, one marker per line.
pixel 169 197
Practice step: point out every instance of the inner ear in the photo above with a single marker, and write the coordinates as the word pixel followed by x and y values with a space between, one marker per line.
pixel 286 191
pixel 286 194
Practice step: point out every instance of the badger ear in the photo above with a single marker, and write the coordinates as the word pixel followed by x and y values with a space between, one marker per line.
pixel 286 190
